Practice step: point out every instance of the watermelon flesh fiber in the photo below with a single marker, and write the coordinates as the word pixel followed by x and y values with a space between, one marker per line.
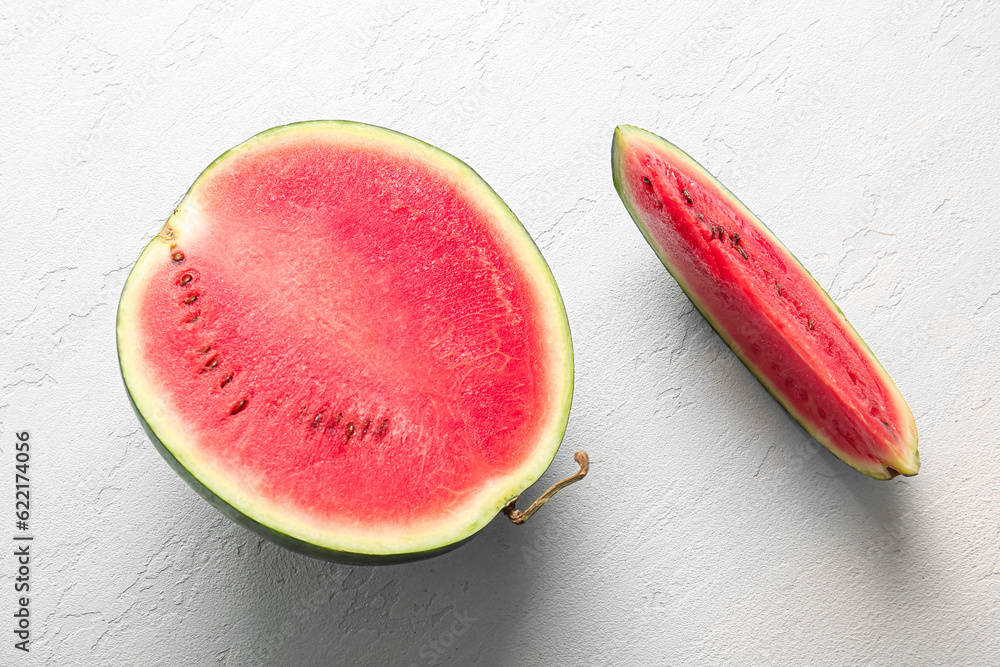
pixel 766 306
pixel 346 342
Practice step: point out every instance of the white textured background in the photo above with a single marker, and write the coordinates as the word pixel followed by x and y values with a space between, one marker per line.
pixel 712 529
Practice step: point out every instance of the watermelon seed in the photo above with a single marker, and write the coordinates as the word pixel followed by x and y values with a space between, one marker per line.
pixel 211 363
pixel 646 181
pixel 238 407
pixel 701 217
pixel 365 426
pixel 226 380
pixel 318 419
pixel 736 242
pixel 810 322
pixel 178 257
pixel 687 196
pixel 382 428
pixel 185 279
pixel 204 350
pixel 350 430
pixel 191 299
pixel 194 318
pixel 779 287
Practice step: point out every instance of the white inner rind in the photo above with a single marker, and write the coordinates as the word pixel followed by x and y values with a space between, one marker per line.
pixel 434 531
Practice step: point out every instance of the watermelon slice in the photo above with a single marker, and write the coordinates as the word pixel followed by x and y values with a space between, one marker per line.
pixel 768 309
pixel 346 341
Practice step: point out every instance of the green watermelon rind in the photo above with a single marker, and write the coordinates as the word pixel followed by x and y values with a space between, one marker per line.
pixel 880 472
pixel 224 496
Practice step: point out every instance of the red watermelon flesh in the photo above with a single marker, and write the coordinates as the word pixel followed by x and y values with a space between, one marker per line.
pixel 766 306
pixel 344 334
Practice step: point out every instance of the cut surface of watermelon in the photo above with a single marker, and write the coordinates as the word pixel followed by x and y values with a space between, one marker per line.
pixel 344 338
pixel 765 306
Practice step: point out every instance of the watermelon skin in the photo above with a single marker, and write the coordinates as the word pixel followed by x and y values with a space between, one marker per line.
pixel 228 421
pixel 766 307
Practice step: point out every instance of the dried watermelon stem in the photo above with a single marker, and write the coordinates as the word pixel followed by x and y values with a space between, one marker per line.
pixel 517 516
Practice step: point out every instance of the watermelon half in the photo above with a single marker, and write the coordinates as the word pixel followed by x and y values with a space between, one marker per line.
pixel 345 340
pixel 766 307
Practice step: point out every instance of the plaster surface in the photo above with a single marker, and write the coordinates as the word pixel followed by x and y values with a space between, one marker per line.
pixel 712 529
